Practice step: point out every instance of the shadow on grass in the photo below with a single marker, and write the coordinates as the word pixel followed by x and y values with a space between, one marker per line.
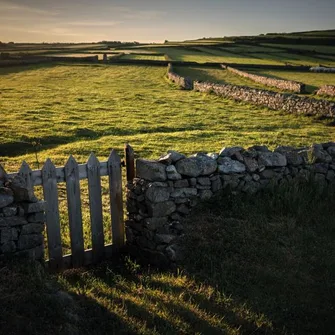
pixel 272 252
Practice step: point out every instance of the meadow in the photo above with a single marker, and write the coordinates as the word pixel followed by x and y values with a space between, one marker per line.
pixel 66 109
pixel 262 264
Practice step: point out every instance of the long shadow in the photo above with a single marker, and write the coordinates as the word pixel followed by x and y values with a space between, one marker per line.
pixel 28 145
pixel 270 252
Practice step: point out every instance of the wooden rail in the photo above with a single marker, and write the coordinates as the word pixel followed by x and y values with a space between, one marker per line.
pixel 50 176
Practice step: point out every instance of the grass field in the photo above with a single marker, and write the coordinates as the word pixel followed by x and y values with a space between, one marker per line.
pixel 263 265
pixel 82 108
pixel 317 48
pixel 217 76
pixel 312 80
pixel 203 55
pixel 254 265
pixel 143 57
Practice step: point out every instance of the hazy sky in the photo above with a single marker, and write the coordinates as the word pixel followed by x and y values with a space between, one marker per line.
pixel 157 20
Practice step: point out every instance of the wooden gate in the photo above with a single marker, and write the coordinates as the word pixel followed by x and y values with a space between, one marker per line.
pixel 50 176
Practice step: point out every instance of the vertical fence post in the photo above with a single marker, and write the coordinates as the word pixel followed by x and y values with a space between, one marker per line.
pixel 74 210
pixel 115 188
pixel 94 192
pixel 50 191
pixel 130 162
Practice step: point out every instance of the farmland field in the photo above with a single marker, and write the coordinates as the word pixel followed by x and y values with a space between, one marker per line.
pixel 233 281
pixel 143 57
pixel 82 108
pixel 312 80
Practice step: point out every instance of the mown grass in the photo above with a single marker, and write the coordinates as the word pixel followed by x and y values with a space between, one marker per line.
pixel 55 111
pixel 253 265
pixel 301 47
pixel 312 80
pixel 218 75
pixel 144 56
pixel 76 109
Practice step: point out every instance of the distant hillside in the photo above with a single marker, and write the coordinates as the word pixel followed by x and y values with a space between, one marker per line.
pixel 315 37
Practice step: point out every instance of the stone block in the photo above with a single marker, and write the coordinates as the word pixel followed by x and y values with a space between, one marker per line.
pixel 36 217
pixel 271 159
pixel 172 173
pixel 150 170
pixel 157 194
pixel 32 228
pixel 161 209
pixel 6 197
pixel 29 241
pixel 36 207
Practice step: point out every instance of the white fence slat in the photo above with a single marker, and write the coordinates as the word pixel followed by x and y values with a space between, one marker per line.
pixel 52 215
pixel 74 210
pixel 115 189
pixel 94 191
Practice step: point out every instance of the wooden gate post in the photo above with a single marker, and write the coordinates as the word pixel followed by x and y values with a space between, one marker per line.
pixel 130 162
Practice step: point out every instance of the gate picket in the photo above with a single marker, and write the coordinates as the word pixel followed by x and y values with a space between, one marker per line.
pixel 50 191
pixel 94 191
pixel 116 201
pixel 74 211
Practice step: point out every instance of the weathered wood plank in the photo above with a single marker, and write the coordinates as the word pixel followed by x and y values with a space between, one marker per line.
pixel 52 215
pixel 94 191
pixel 109 252
pixel 26 173
pixel 115 188
pixel 130 162
pixel 36 175
pixel 74 210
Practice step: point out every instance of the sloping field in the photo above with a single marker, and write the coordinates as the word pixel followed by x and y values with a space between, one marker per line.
pixel 143 57
pixel 312 80
pixel 63 109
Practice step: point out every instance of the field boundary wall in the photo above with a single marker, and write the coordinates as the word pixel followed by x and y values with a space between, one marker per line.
pixel 165 190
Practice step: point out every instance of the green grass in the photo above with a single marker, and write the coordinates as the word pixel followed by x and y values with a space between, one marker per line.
pixel 312 80
pixel 82 108
pixel 203 55
pixel 218 75
pixel 143 57
pixel 293 59
pixel 55 111
pixel 317 48
pixel 253 265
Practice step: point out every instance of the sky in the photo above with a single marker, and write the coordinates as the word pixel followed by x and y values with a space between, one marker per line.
pixel 157 20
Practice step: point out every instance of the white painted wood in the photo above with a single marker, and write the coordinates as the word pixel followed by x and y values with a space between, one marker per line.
pixel 74 210
pixel 52 215
pixel 115 189
pixel 94 192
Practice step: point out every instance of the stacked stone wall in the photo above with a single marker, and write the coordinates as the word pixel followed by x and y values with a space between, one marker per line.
pixel 185 83
pixel 165 190
pixel 326 90
pixel 278 101
pixel 287 85
pixel 21 220
pixel 322 69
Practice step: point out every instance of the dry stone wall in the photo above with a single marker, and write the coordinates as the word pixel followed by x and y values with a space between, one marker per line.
pixel 287 85
pixel 278 101
pixel 165 190
pixel 21 220
pixel 185 83
pixel 326 90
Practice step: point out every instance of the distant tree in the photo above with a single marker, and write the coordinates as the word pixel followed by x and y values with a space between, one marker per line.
pixel 166 41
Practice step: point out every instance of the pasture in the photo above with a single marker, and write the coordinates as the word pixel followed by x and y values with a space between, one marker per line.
pixel 234 281
pixel 82 108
